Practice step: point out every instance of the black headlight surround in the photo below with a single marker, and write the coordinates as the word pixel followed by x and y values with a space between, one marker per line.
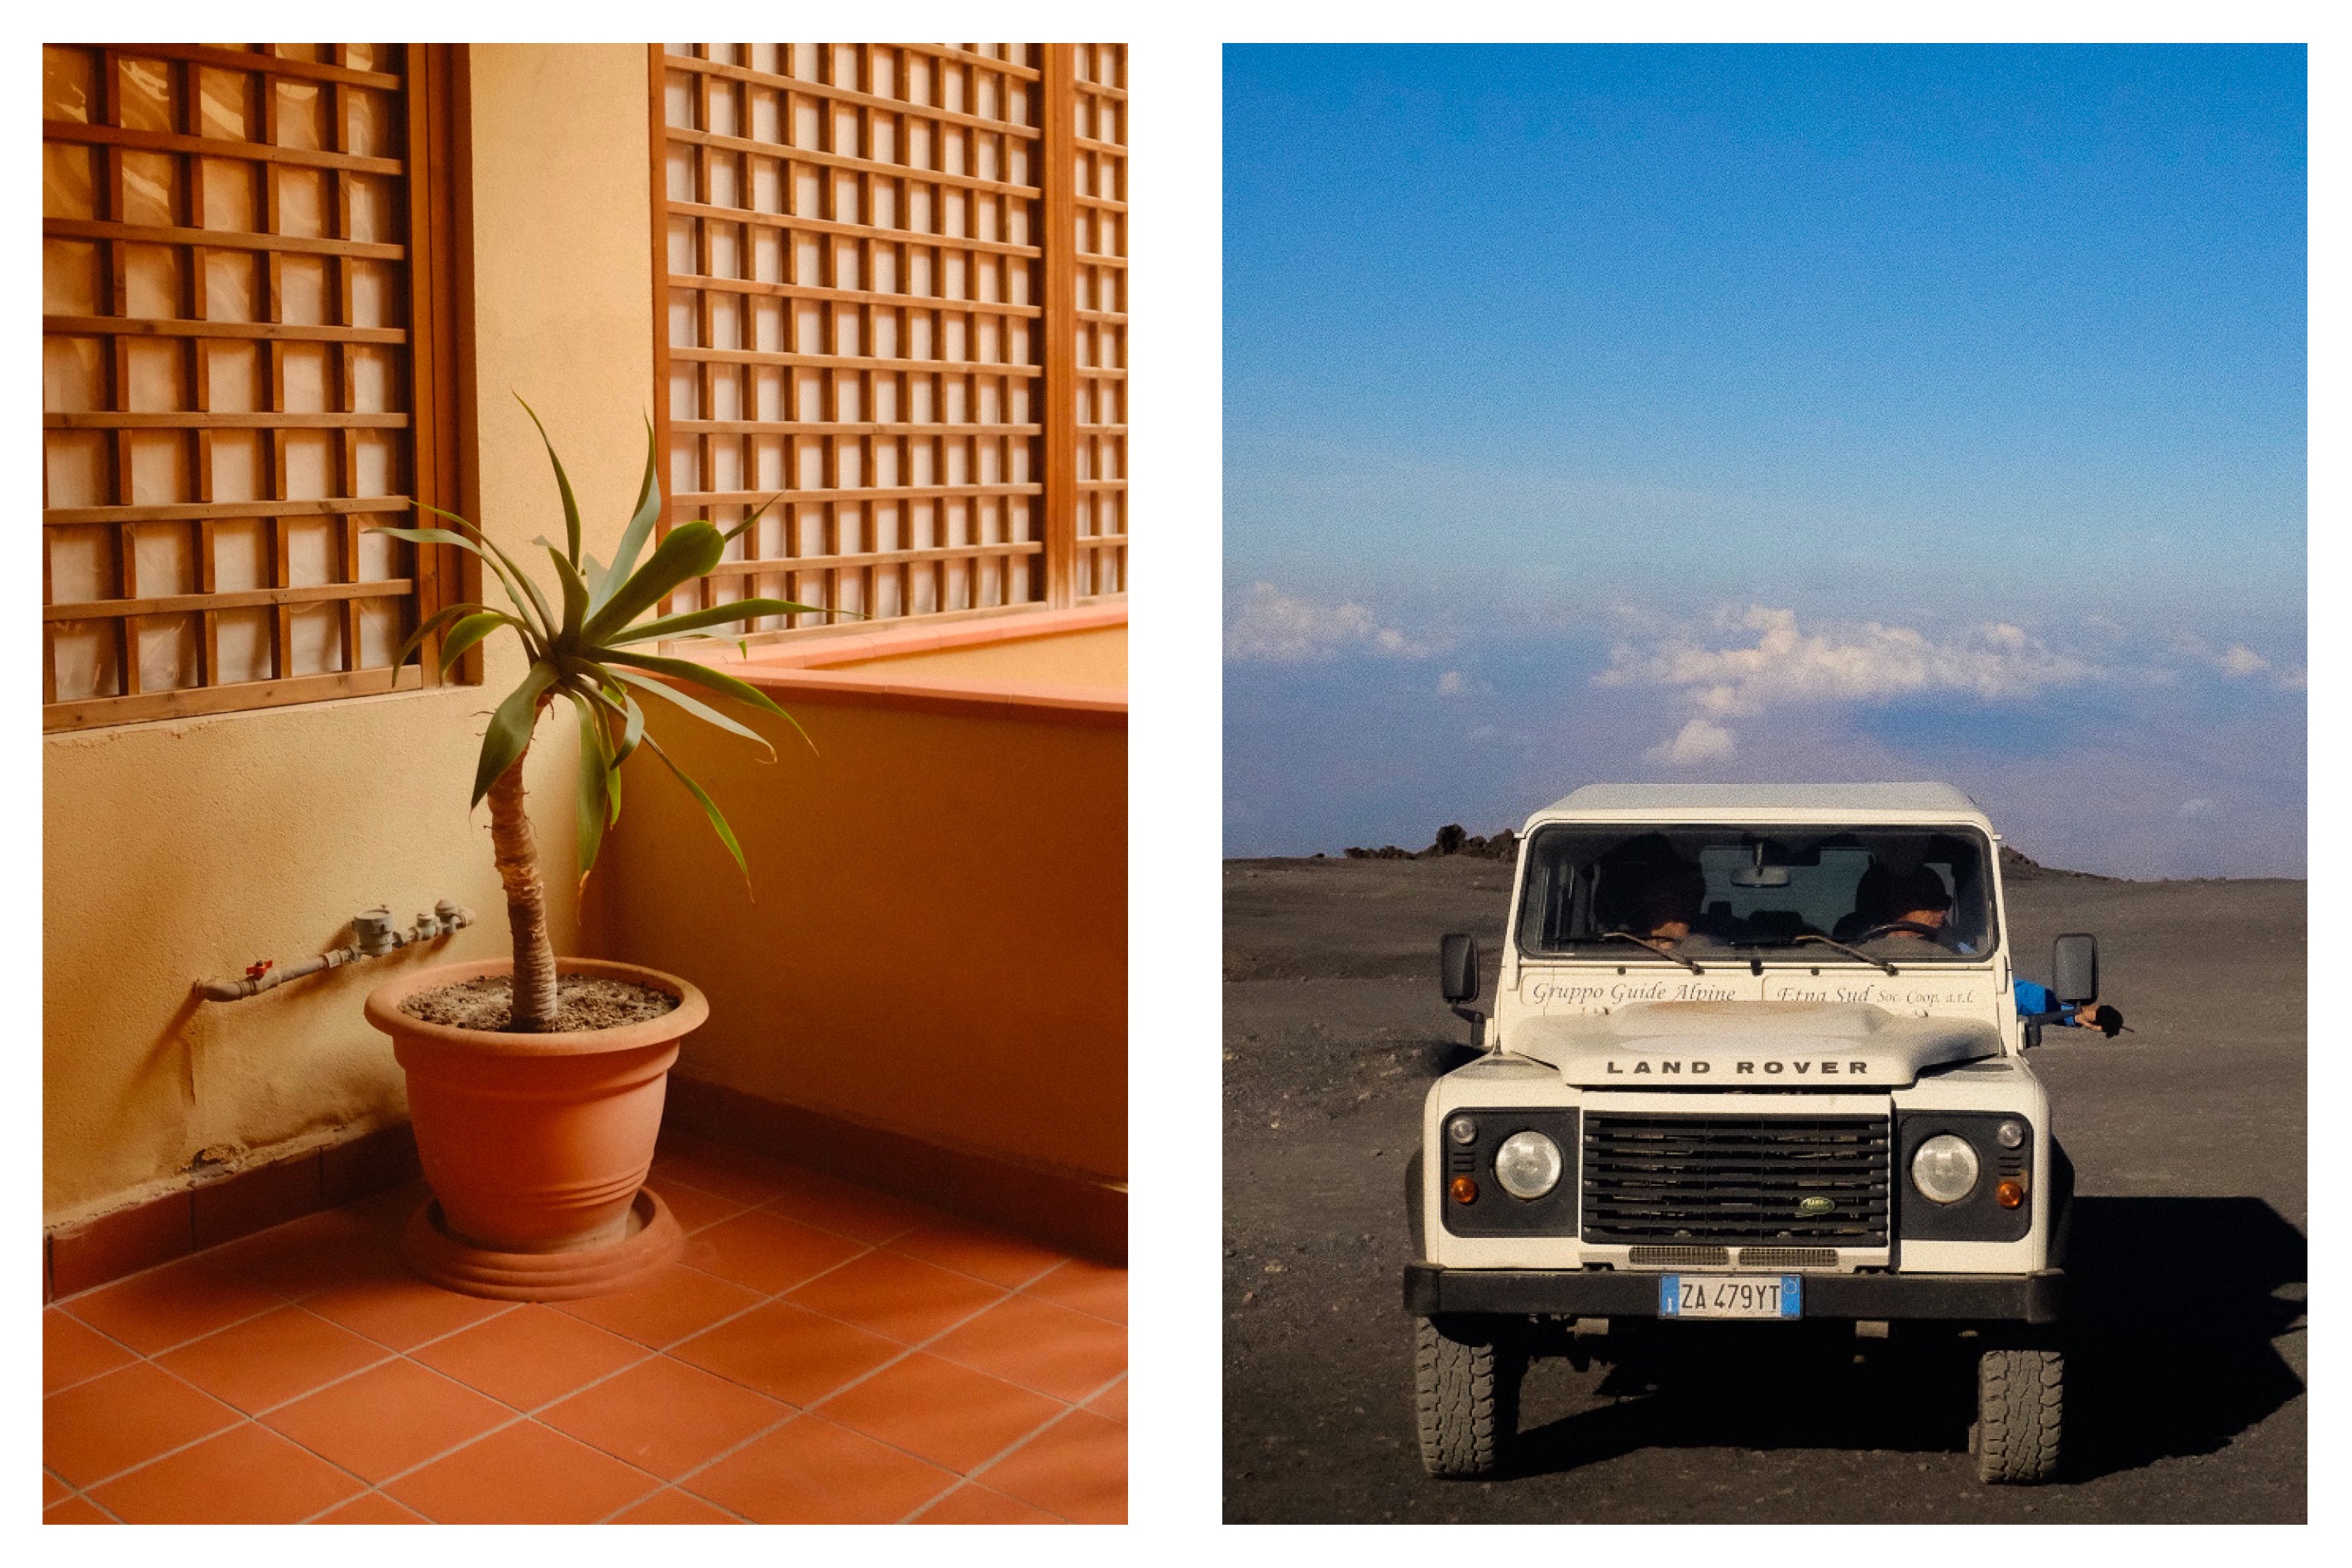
pixel 1978 1216
pixel 1497 1212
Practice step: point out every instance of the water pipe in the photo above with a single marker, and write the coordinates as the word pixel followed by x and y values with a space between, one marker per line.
pixel 372 936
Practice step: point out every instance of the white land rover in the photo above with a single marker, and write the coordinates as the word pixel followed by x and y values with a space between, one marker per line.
pixel 1754 1055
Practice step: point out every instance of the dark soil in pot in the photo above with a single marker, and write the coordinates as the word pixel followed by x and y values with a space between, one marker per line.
pixel 582 1002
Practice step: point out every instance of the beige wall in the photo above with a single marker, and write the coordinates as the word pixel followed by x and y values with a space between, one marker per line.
pixel 935 941
pixel 183 850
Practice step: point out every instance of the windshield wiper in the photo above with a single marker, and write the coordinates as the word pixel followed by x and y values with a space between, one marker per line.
pixel 1849 951
pixel 1654 947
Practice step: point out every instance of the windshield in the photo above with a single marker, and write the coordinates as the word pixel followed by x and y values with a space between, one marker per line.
pixel 1895 895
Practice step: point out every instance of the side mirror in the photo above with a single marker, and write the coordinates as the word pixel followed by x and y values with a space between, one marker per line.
pixel 2074 968
pixel 1457 967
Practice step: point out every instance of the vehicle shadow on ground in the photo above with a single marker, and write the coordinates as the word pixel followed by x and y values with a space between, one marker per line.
pixel 2174 1304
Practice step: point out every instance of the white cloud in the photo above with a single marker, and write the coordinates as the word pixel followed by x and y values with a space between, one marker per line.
pixel 1275 627
pixel 2200 809
pixel 2242 660
pixel 1699 741
pixel 1451 683
pixel 1785 664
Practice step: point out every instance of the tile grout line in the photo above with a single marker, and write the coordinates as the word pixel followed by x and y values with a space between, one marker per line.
pixel 1005 1293
pixel 769 1204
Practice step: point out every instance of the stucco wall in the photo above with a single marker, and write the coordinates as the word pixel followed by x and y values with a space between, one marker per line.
pixel 180 850
pixel 935 941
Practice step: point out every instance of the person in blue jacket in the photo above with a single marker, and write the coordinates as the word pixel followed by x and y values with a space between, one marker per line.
pixel 2038 1004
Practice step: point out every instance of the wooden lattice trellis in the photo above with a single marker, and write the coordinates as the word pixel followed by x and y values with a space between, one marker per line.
pixel 891 285
pixel 243 284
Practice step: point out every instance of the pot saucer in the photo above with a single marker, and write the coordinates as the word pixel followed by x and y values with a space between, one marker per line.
pixel 651 1240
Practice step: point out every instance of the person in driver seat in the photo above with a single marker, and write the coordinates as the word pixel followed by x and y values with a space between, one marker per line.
pixel 1922 908
pixel 1665 902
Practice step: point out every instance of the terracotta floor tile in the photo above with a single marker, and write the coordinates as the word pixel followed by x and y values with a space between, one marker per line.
pixel 388 1419
pixel 372 1508
pixel 813 1472
pixel 665 1416
pixel 306 1255
pixel 995 1256
pixel 530 1355
pixel 1111 1403
pixel 522 1475
pixel 719 1170
pixel 124 1418
pixel 1077 1468
pixel 248 1475
pixel 693 1207
pixel 1067 1354
pixel 168 1306
pixel 788 1353
pixel 973 1503
pixel 52 1489
pixel 936 1410
pixel 767 1252
pixel 887 1294
pixel 74 1510
pixel 813 1198
pixel 1083 1287
pixel 72 1351
pixel 268 1359
pixel 678 1302
pixel 400 1312
pixel 671 1506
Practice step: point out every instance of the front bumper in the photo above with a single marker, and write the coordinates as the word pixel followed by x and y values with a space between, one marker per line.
pixel 1431 1291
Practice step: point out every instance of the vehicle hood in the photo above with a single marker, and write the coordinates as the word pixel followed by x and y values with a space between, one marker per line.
pixel 1749 1044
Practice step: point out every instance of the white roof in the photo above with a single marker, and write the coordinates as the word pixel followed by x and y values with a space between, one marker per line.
pixel 1778 802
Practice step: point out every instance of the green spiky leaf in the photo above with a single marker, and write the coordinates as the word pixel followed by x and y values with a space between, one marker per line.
pixel 432 623
pixel 576 593
pixel 688 621
pixel 701 711
pixel 563 483
pixel 473 630
pixel 709 809
pixel 594 807
pixel 632 538
pixel 511 569
pixel 509 735
pixel 691 550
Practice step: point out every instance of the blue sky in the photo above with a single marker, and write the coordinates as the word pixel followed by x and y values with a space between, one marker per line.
pixel 1632 411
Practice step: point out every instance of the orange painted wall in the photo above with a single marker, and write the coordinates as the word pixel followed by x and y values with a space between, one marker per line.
pixel 939 941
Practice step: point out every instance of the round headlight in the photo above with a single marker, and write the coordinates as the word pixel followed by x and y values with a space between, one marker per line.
pixel 2010 1133
pixel 1462 1130
pixel 1945 1168
pixel 1527 1165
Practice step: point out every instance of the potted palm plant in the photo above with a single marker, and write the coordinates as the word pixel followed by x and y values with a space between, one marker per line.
pixel 535 1085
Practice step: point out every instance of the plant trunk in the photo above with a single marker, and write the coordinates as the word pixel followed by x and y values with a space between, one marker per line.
pixel 517 857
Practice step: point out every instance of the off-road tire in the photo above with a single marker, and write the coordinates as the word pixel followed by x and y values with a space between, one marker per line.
pixel 1465 1384
pixel 2020 1413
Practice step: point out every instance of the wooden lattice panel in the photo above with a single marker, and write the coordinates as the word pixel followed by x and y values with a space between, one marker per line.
pixel 859 310
pixel 1098 267
pixel 229 376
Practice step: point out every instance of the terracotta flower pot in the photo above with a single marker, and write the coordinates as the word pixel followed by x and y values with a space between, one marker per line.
pixel 535 1143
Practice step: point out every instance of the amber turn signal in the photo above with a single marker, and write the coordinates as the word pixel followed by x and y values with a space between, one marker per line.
pixel 1465 1191
pixel 2010 1194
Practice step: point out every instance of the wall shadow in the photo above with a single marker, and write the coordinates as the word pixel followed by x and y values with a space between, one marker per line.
pixel 2175 1307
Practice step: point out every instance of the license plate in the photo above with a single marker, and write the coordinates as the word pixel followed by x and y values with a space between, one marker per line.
pixel 1731 1295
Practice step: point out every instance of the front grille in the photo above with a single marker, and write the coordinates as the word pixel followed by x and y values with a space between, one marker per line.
pixel 1688 1257
pixel 1788 1258
pixel 1730 1179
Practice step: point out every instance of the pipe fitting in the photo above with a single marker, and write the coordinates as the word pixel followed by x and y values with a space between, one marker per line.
pixel 372 936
